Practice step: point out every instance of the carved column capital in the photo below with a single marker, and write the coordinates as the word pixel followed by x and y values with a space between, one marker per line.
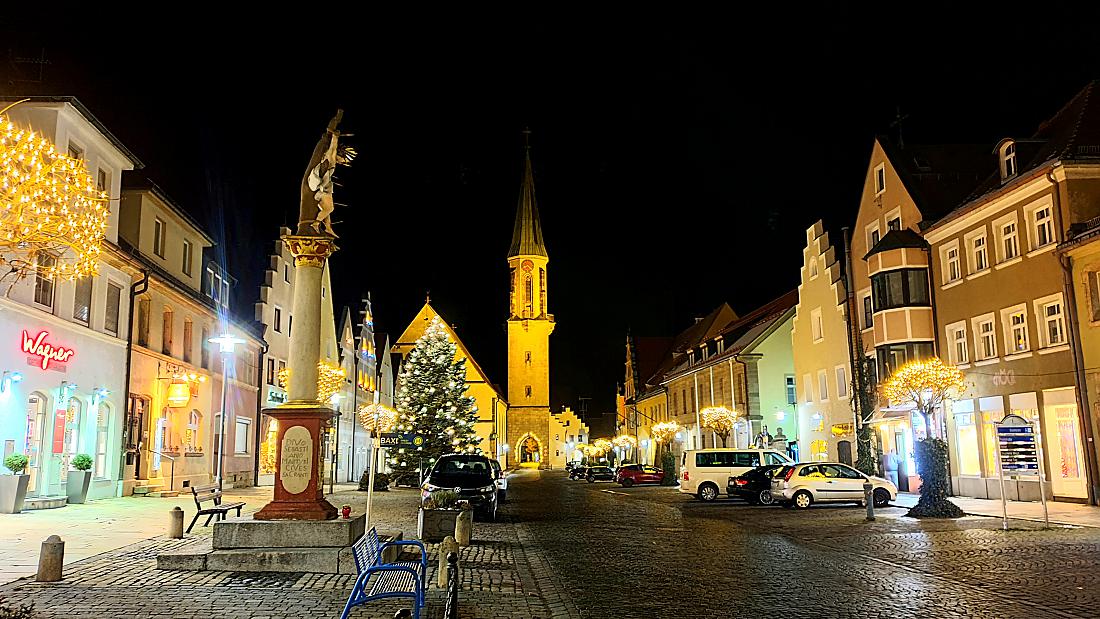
pixel 310 250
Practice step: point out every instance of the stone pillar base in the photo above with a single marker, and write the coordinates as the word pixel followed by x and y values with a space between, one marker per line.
pixel 298 483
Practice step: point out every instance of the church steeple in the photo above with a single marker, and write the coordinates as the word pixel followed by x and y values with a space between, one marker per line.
pixel 527 234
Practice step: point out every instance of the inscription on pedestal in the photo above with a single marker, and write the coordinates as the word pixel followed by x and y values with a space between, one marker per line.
pixel 296 464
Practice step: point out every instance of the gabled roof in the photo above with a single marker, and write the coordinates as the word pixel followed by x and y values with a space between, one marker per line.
pixel 938 176
pixel 87 114
pixel 527 234
pixel 898 239
pixel 690 338
pixel 139 181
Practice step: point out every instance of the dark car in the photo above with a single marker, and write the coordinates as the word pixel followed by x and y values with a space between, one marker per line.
pixel 754 486
pixel 578 472
pixel 630 474
pixel 601 473
pixel 502 481
pixel 471 476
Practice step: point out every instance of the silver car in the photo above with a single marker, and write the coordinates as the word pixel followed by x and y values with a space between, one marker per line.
pixel 803 484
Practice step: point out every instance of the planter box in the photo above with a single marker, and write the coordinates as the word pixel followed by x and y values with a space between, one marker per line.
pixel 13 489
pixel 76 486
pixel 433 525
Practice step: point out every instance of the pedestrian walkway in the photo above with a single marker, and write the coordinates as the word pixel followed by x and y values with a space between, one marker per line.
pixel 1060 512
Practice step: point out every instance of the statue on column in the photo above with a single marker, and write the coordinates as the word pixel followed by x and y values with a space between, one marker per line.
pixel 317 205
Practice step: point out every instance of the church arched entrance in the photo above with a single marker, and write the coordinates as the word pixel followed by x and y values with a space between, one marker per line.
pixel 530 451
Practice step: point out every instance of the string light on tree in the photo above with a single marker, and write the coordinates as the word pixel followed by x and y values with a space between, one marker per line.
pixel 49 204
pixel 386 418
pixel 664 432
pixel 719 419
pixel 330 378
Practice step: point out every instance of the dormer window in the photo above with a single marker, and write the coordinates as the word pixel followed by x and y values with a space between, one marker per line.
pixel 1008 160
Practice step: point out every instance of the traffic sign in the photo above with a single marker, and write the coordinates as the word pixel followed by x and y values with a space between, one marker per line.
pixel 400 439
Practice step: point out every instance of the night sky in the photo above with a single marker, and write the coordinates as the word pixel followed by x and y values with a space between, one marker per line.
pixel 678 161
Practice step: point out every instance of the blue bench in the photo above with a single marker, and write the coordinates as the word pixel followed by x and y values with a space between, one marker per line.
pixel 379 581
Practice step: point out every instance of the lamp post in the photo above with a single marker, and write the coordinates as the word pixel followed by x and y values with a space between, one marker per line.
pixel 335 400
pixel 226 343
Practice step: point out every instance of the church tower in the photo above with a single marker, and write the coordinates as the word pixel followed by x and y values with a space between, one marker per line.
pixel 529 326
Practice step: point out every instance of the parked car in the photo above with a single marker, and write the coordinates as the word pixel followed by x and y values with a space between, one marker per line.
pixel 501 481
pixel 707 470
pixel 754 486
pixel 601 473
pixel 569 466
pixel 578 472
pixel 471 476
pixel 806 483
pixel 630 474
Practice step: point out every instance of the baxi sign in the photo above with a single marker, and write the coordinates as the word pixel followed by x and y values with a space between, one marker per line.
pixel 42 353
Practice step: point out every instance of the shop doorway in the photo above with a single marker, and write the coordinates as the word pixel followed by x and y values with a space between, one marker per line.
pixel 844 452
pixel 1066 458
pixel 36 426
pixel 903 461
pixel 530 452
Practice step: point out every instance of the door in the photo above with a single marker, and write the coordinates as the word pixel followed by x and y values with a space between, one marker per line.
pixel 903 468
pixel 844 451
pixel 36 425
pixel 1066 474
pixel 849 485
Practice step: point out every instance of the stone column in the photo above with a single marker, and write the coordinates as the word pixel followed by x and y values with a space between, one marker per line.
pixel 299 493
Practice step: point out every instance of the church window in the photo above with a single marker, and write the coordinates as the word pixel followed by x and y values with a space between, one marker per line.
pixel 512 292
pixel 529 299
pixel 527 391
pixel 527 357
pixel 542 291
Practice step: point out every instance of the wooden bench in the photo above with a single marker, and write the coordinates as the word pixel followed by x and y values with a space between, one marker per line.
pixel 212 495
pixel 377 580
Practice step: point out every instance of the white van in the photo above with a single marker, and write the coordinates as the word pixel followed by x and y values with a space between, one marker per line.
pixel 704 472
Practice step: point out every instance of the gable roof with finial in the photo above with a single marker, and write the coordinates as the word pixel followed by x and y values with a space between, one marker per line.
pixel 527 234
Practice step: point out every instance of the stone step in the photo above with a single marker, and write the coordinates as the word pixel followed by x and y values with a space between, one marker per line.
pixel 157 494
pixel 45 502
pixel 147 488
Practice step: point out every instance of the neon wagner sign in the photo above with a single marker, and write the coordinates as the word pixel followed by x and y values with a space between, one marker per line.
pixel 44 352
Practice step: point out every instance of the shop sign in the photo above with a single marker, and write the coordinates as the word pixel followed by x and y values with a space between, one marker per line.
pixel 276 396
pixel 60 417
pixel 42 352
pixel 394 439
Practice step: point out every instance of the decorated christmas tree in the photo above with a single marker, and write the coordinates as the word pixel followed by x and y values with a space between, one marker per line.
pixel 432 403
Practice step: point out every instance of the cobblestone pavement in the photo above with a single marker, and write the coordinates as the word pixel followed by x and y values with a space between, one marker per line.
pixel 653 552
pixel 575 550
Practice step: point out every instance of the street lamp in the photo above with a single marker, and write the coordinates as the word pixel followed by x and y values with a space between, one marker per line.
pixel 226 342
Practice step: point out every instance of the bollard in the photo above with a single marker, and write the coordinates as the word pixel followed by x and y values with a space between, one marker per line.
pixel 450 609
pixel 869 499
pixel 446 547
pixel 464 525
pixel 51 559
pixel 175 523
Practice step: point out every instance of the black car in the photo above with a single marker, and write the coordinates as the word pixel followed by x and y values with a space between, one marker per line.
pixel 578 472
pixel 754 486
pixel 601 473
pixel 471 476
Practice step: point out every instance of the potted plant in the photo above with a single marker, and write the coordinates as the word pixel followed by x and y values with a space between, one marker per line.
pixel 439 514
pixel 13 488
pixel 77 482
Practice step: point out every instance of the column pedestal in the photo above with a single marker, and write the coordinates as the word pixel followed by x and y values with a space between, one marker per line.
pixel 299 491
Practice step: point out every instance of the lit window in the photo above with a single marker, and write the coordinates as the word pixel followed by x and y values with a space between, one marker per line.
pixel 1044 226
pixel 792 397
pixel 880 179
pixel 158 237
pixel 1015 324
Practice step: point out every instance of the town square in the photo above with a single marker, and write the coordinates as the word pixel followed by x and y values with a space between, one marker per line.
pixel 630 316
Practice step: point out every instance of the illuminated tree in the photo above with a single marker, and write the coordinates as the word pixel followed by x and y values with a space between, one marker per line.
pixel 601 446
pixel 664 432
pixel 927 384
pixel 330 378
pixel 626 443
pixel 719 419
pixel 376 418
pixel 49 206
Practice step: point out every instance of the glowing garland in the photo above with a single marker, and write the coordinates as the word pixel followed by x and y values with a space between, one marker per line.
pixel 720 419
pixel 665 431
pixel 925 383
pixel 330 378
pixel 49 204
pixel 387 417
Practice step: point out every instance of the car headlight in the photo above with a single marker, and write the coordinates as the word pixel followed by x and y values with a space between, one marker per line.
pixel 488 488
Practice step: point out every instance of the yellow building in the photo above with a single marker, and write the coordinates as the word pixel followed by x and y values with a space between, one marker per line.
pixel 529 327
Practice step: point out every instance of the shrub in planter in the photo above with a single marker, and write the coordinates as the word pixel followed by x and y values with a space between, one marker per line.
pixel 668 463
pixel 444 499
pixel 16 463
pixel 381 482
pixel 931 456
pixel 82 462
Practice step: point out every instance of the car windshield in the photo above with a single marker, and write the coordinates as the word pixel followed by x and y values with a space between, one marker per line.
pixel 463 465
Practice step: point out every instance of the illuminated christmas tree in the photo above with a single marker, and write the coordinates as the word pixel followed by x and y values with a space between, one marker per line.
pixel 432 402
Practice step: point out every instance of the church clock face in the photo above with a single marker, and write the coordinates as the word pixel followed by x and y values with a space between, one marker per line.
pixel 528 265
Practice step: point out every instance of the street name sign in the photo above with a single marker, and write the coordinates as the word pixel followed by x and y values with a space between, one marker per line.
pixel 1018 455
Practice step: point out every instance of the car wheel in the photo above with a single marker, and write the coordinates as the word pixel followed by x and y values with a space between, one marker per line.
pixel 765 497
pixel 802 499
pixel 627 483
pixel 708 492
pixel 881 497
pixel 591 479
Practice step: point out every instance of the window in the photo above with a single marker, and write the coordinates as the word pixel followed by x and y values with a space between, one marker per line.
pixel 986 336
pixel 816 326
pixel 240 438
pixel 204 349
pixel 282 366
pixel 166 332
pixel 187 249
pixel 823 385
pixel 1093 279
pixel 75 151
pixel 956 337
pixel 102 434
pixel 110 314
pixel 872 235
pixel 952 267
pixel 286 273
pixel 278 320
pixel 841 381
pixel 1009 237
pixel 191 436
pixel 1014 320
pixel 1042 222
pixel 880 179
pixel 542 291
pixel 868 315
pixel 270 371
pixel 813 267
pixel 1052 321
pixel 527 357
pixel 82 300
pixel 208 286
pixel 143 322
pixel 1008 161
pixel 792 396
pixel 225 293
pixel 892 356
pixel 43 281
pixel 894 224
pixel 900 288
pixel 979 257
pixel 188 339
pixel 772 458
pixel 527 391
pixel 158 237
pixel 966 444
pixel 103 182
pixel 807 389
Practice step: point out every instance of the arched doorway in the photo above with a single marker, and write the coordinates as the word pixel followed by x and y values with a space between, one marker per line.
pixel 530 451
